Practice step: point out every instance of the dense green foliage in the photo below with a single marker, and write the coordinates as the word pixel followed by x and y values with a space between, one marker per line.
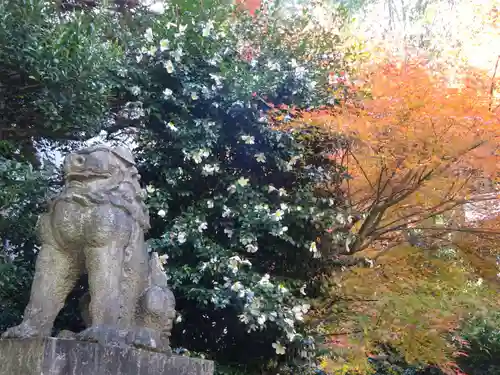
pixel 232 201
pixel 55 75
pixel 22 195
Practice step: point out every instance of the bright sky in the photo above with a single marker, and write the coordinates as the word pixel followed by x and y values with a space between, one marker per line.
pixel 462 27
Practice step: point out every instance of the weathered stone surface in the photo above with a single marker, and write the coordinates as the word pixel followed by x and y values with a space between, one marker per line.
pixel 52 356
pixel 96 226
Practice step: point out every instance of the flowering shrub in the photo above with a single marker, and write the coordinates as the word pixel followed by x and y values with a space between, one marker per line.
pixel 232 202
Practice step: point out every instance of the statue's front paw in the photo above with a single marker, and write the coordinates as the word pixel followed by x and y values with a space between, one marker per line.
pixel 104 335
pixel 147 338
pixel 22 331
pixel 66 335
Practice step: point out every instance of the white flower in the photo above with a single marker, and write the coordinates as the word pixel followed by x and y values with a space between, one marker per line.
pixel 278 215
pixel 138 58
pixel 313 248
pixel 177 54
pixel 198 155
pixel 272 316
pixel 234 263
pixel 244 318
pixel 164 45
pixel 167 93
pixel 226 212
pixel 148 35
pixel 194 96
pixel 300 310
pixel 300 72
pixel 248 139
pixel 210 203
pixel 280 349
pixel 282 288
pixel 303 290
pixel 172 126
pixel 282 192
pixel 237 286
pixel 202 227
pixel 284 206
pixel 265 280
pixel 228 232
pixel 207 28
pixel 246 262
pixel 273 65
pixel 260 157
pixel 209 169
pixel 299 316
pixel 340 219
pixel 261 319
pixel 252 248
pixel 169 66
pixel 150 189
pixel 261 207
pixel 135 90
pixel 158 8
pixel 181 237
pixel 151 51
pixel 163 258
pixel 290 336
pixel 242 181
pixel 289 322
pixel 179 318
pixel 216 78
pixel 271 188
pixel 283 230
pixel 161 213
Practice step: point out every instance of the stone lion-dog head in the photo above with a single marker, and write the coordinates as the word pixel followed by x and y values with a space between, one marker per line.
pixel 104 174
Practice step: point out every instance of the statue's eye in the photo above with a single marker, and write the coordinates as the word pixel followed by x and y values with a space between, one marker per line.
pixel 79 160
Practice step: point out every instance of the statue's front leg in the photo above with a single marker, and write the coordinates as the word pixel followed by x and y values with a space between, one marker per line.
pixel 115 287
pixel 56 273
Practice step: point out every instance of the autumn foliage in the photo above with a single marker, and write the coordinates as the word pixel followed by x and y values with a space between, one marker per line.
pixel 423 159
pixel 418 149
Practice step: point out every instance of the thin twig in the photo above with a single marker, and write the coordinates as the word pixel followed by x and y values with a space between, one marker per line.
pixel 492 87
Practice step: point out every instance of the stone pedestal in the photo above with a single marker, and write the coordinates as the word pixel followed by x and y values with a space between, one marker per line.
pixel 51 356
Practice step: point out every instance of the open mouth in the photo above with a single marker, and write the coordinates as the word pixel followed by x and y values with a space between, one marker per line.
pixel 86 176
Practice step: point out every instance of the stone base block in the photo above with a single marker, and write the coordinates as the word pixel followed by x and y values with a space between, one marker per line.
pixel 52 356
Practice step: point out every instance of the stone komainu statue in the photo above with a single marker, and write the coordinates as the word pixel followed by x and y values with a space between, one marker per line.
pixel 96 226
